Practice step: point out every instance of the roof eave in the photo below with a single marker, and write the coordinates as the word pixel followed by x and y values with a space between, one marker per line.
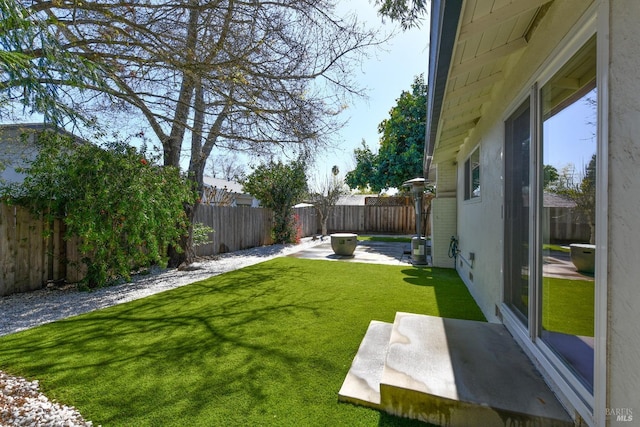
pixel 445 17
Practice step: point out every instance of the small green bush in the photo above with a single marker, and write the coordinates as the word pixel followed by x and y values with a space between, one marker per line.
pixel 279 186
pixel 201 234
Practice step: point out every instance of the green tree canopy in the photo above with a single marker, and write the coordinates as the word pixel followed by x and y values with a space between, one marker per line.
pixel 279 186
pixel 551 175
pixel 35 68
pixel 400 155
pixel 366 168
pixel 408 13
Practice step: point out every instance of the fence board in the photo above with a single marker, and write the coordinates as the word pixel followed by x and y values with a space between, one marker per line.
pixel 309 220
pixel 565 225
pixel 23 251
pixel 372 219
pixel 235 228
pixel 76 270
pixel 58 251
pixel 7 251
pixel 347 219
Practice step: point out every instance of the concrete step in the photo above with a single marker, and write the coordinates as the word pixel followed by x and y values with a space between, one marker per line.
pixel 451 372
pixel 361 386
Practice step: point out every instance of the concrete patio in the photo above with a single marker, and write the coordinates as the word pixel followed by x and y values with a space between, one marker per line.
pixel 367 251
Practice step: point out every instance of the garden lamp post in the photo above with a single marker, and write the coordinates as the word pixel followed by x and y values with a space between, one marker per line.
pixel 418 243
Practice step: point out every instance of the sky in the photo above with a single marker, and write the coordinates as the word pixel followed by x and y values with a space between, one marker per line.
pixel 389 71
pixel 385 75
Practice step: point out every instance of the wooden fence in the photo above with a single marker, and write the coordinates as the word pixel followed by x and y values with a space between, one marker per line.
pixel 565 225
pixel 33 252
pixel 309 220
pixel 28 259
pixel 373 219
pixel 234 228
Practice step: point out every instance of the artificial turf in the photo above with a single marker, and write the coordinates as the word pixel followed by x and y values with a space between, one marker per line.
pixel 265 345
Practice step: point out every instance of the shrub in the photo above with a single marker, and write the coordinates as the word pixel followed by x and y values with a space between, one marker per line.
pixel 124 208
pixel 201 234
pixel 279 186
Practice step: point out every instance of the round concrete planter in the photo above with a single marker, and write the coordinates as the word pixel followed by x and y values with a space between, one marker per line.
pixel 583 256
pixel 344 243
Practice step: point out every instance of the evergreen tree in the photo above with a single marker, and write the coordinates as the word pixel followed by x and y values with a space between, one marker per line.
pixel 401 144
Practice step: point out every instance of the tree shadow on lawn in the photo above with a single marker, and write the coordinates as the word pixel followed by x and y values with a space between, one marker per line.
pixel 217 349
pixel 268 342
pixel 260 344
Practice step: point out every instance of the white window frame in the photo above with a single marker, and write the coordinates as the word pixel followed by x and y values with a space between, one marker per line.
pixel 468 176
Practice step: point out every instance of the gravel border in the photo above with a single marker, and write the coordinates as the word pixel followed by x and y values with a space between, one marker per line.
pixel 26 310
pixel 22 404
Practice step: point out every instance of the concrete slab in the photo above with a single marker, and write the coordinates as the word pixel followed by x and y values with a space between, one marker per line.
pixel 463 373
pixel 361 386
pixel 391 253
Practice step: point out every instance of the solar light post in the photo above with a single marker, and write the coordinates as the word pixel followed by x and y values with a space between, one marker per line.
pixel 418 243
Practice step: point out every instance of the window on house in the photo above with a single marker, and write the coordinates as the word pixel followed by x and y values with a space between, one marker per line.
pixel 472 176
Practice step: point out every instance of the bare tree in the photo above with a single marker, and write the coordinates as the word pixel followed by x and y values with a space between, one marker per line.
pixel 227 167
pixel 217 196
pixel 255 76
pixel 325 196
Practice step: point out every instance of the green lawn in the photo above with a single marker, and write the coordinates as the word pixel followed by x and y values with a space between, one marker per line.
pixel 265 345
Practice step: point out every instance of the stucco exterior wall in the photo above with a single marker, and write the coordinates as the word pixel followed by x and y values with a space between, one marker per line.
pixel 624 209
pixel 480 225
pixel 622 196
pixel 446 179
pixel 443 213
pixel 17 149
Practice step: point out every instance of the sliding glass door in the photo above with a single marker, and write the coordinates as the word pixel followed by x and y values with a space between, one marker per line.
pixel 549 215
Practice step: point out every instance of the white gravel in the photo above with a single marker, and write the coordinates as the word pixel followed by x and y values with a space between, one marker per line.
pixel 21 404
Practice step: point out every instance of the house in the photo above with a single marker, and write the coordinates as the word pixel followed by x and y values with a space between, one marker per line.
pixel 515 86
pixel 221 192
